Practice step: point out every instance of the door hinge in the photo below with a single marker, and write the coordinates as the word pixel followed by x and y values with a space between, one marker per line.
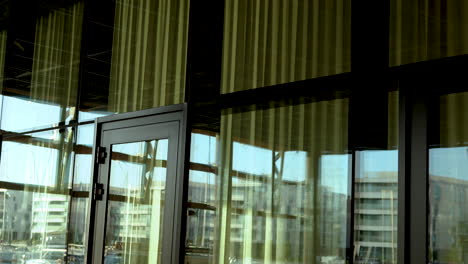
pixel 101 155
pixel 98 192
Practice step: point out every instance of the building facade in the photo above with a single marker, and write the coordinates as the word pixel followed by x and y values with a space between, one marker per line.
pixel 233 131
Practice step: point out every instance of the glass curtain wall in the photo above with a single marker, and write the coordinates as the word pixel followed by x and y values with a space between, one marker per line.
pixel 272 187
pixel 448 182
pixel 148 54
pixel 44 208
pixel 202 195
pixel 41 67
pixel 284 184
pixel 35 199
pixel 55 58
pixel 426 30
pixel 139 60
pixel 273 42
pixel 376 197
pixel 271 184
pixel 132 59
pixel 80 188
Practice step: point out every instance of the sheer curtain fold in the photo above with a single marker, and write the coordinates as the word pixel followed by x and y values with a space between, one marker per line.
pixel 275 205
pixel 428 29
pixel 148 54
pixel 268 42
pixel 453 120
pixel 55 69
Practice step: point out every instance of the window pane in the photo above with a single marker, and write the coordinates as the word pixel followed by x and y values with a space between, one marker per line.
pixel 34 226
pixel 376 197
pixel 282 185
pixel 77 232
pixel 41 159
pixel 425 30
pixel 141 63
pixel 82 174
pixel 274 42
pixel 81 186
pixel 35 176
pixel 41 57
pixel 137 196
pixel 448 182
pixel 376 207
pixel 202 197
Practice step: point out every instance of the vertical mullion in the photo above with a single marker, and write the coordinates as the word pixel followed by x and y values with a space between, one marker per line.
pixel 418 179
pixel 403 171
pixel 413 176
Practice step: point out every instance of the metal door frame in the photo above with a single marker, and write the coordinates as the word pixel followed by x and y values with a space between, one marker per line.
pixel 160 115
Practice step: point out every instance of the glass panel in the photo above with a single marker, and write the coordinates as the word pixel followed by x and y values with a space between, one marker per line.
pixel 425 30
pixel 41 55
pixel 82 174
pixel 77 235
pixel 41 159
pixel 448 182
pixel 376 207
pixel 283 184
pixel 136 202
pixel 35 175
pixel 81 186
pixel 201 204
pixel 142 64
pixel 376 197
pixel 274 42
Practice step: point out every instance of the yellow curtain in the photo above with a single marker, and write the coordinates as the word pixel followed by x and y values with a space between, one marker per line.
pixel 268 42
pixel 427 29
pixel 148 54
pixel 454 120
pixel 276 215
pixel 55 69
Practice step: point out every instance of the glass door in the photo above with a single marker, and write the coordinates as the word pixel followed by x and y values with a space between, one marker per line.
pixel 138 190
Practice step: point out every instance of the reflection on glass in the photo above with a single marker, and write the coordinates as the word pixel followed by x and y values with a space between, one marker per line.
pixel 77 235
pixel 34 226
pixel 376 197
pixel 201 204
pixel 448 183
pixel 283 181
pixel 148 54
pixel 274 42
pixel 376 207
pixel 39 159
pixel 144 58
pixel 81 186
pixel 199 237
pixel 136 202
pixel 42 67
pixel 82 174
pixel 34 209
pixel 425 30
